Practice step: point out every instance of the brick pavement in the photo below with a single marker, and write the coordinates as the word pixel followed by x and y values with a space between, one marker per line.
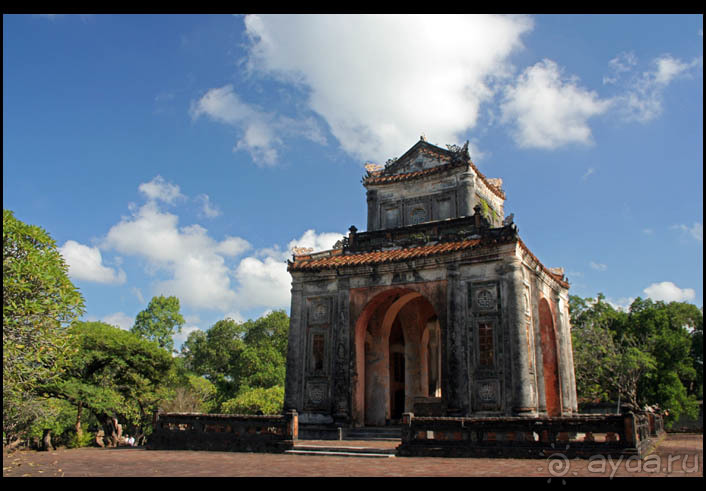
pixel 677 455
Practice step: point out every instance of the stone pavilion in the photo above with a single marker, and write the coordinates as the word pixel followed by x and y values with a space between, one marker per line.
pixel 438 308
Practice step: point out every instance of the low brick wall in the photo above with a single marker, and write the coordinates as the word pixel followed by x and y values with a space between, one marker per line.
pixel 224 432
pixel 580 436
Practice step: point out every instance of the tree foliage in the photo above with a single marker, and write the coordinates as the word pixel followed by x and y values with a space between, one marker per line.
pixel 650 354
pixel 114 374
pixel 257 400
pixel 160 321
pixel 245 361
pixel 188 392
pixel 39 303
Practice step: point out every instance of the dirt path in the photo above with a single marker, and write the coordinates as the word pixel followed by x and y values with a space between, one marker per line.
pixel 677 455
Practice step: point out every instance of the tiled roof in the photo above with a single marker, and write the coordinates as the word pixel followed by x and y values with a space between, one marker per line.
pixel 338 259
pixel 558 277
pixel 379 177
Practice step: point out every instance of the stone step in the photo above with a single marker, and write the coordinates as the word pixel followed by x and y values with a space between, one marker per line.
pixel 342 451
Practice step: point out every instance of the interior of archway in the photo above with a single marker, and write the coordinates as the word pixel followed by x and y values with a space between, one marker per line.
pixel 402 357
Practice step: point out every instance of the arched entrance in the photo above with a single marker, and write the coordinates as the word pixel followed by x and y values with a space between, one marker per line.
pixel 552 391
pixel 398 356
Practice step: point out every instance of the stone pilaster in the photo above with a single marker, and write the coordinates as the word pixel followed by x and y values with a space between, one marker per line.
pixel 566 362
pixel 295 346
pixel 466 193
pixel 372 198
pixel 572 373
pixel 516 320
pixel 342 390
pixel 456 380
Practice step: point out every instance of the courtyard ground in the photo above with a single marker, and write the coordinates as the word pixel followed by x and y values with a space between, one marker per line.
pixel 677 455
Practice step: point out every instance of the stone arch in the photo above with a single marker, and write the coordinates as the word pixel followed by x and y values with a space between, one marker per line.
pixel 377 387
pixel 550 359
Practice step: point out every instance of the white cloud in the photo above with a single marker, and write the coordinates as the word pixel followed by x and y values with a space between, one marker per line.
pixel 205 273
pixel 86 263
pixel 266 282
pixel 380 81
pixel 317 242
pixel 159 189
pixel 194 262
pixel 643 94
pixel 598 266
pixel 549 110
pixel 696 231
pixel 668 68
pixel 232 246
pixel 261 131
pixel 119 319
pixel 622 63
pixel 207 209
pixel 138 293
pixel 648 231
pixel 263 283
pixel 669 292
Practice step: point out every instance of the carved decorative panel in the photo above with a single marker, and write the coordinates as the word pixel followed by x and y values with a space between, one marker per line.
pixel 316 394
pixel 484 298
pixel 319 310
pixel 488 394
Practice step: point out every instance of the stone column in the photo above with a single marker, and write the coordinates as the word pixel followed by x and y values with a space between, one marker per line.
pixel 521 379
pixel 466 193
pixel 295 354
pixel 455 380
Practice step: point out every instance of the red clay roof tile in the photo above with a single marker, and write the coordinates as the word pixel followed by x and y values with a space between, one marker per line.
pixel 378 257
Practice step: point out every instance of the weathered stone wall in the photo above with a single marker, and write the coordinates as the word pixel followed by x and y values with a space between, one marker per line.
pixel 450 195
pixel 452 192
pixel 521 437
pixel 224 432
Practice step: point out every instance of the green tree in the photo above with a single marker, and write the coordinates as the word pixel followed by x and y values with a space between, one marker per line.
pixel 609 362
pixel 39 303
pixel 215 355
pixel 256 400
pixel 245 361
pixel 263 361
pixel 647 355
pixel 696 387
pixel 113 374
pixel 188 392
pixel 160 321
pixel 664 330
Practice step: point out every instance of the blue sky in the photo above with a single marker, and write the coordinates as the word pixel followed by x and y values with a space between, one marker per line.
pixel 186 155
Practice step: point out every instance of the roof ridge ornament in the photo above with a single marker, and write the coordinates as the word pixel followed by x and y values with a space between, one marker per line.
pixel 301 251
pixel 372 167
pixel 459 153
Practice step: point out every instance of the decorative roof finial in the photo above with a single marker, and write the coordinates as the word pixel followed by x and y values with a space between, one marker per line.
pixel 422 137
